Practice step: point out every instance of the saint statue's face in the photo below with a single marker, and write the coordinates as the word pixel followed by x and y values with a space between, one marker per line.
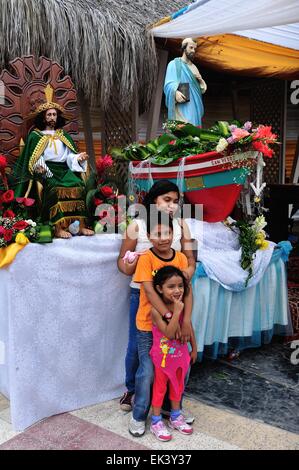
pixel 190 50
pixel 51 118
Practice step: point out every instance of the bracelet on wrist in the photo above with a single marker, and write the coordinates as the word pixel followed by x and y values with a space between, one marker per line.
pixel 168 315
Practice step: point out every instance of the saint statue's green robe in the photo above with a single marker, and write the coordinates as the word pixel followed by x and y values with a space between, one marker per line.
pixel 60 192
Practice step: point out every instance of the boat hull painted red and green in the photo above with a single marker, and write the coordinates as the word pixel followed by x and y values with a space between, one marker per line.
pixel 210 179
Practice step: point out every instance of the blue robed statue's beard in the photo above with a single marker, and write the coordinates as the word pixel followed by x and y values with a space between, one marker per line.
pixel 190 55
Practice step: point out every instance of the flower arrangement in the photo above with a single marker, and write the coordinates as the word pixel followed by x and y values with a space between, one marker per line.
pixel 105 205
pixel 15 225
pixel 252 238
pixel 184 139
pixel 258 139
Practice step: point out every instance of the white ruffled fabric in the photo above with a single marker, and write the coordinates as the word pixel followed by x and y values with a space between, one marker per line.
pixel 63 327
pixel 220 253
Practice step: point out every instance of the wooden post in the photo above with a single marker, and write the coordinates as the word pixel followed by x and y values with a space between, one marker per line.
pixel 87 128
pixel 154 112
pixel 283 133
pixel 234 98
pixel 135 116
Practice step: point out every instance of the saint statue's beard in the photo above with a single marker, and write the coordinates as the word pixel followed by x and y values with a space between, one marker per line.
pixel 190 55
pixel 51 124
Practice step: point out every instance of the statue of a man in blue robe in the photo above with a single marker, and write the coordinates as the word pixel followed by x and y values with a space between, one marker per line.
pixel 181 71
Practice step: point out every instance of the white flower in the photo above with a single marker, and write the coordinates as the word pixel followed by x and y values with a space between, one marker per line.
pixel 196 139
pixel 259 223
pixel 30 222
pixel 222 144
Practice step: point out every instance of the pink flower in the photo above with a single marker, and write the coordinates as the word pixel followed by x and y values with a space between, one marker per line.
pixel 239 134
pixel 26 201
pixel 247 125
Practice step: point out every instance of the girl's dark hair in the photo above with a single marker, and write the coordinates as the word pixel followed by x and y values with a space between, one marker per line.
pixel 155 217
pixel 158 189
pixel 166 273
pixel 40 123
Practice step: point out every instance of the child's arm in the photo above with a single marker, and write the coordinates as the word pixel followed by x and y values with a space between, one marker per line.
pixel 193 353
pixel 129 244
pixel 186 243
pixel 168 329
pixel 186 325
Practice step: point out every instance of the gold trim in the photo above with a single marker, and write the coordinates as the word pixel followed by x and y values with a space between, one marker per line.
pixel 42 145
pixel 66 206
pixel 38 151
pixel 69 193
pixel 66 141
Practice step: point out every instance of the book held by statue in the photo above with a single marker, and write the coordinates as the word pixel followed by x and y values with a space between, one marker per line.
pixel 184 88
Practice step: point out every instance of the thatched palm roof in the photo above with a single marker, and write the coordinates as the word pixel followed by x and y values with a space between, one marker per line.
pixel 98 42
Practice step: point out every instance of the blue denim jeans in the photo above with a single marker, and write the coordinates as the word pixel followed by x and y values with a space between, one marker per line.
pixel 131 361
pixel 144 376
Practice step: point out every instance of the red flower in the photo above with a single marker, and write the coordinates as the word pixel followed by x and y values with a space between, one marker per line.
pixel 106 191
pixel 172 142
pixel 103 163
pixel 26 201
pixel 98 202
pixel 20 225
pixel 2 231
pixel 8 235
pixel 8 196
pixel 9 214
pixel 3 162
pixel 264 133
pixel 263 148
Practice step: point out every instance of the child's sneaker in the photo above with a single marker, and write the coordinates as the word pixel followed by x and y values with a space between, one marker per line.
pixel 181 425
pixel 160 431
pixel 126 401
pixel 136 428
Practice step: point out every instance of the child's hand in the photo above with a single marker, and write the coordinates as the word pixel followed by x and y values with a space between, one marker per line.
pixel 193 357
pixel 131 257
pixel 178 306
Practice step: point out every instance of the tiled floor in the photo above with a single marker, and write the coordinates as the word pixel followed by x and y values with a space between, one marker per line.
pixel 104 426
pixel 250 403
pixel 262 385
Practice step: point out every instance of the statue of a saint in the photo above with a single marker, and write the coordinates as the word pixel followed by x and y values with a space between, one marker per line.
pixel 182 76
pixel 51 160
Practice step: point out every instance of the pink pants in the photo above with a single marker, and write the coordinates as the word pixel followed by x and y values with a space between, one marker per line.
pixel 160 387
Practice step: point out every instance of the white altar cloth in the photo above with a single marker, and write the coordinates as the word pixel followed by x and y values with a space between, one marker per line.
pixel 63 327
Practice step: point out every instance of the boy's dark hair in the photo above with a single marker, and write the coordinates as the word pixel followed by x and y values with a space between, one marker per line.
pixel 155 217
pixel 166 273
pixel 40 123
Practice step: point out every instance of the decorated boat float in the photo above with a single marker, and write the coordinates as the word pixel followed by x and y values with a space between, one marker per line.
pixel 210 166
pixel 210 179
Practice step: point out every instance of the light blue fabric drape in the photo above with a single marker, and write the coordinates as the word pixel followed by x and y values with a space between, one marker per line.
pixel 223 319
pixel 192 111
